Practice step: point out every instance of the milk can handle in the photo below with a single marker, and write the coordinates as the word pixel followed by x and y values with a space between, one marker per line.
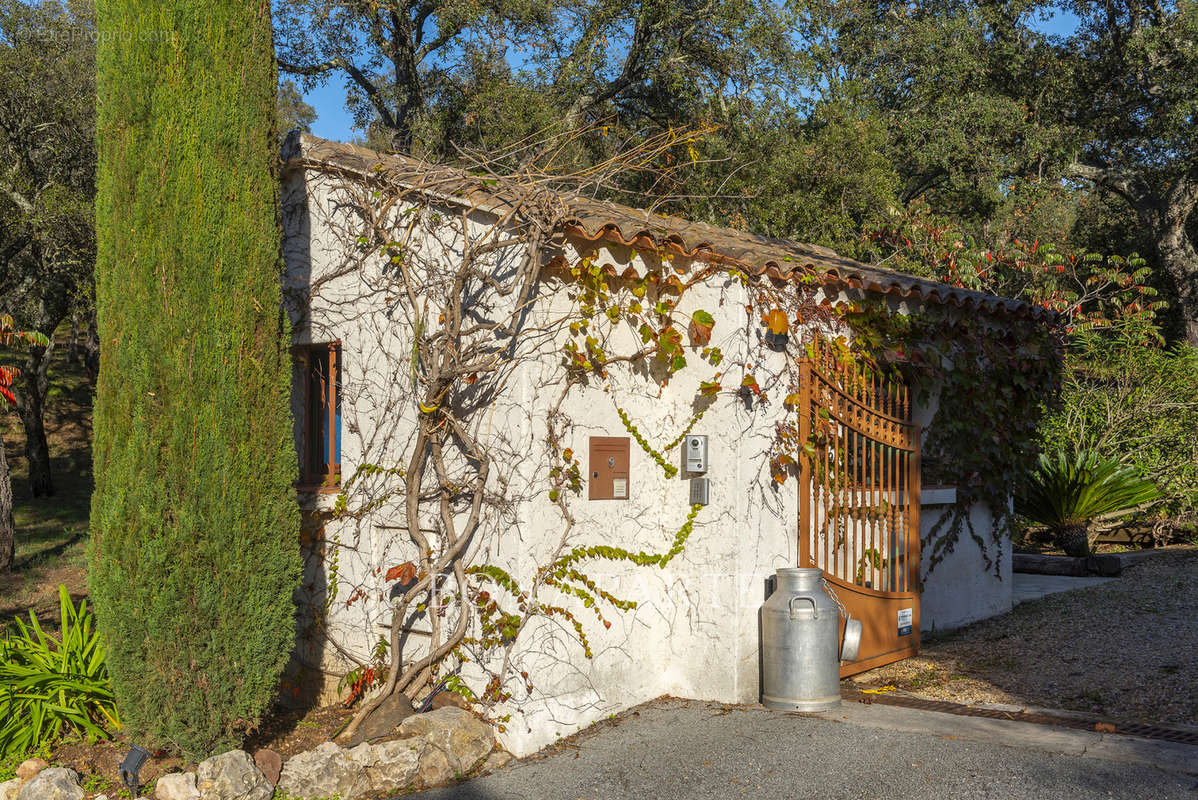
pixel 814 608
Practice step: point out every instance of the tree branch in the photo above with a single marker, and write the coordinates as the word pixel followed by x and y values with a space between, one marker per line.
pixel 311 69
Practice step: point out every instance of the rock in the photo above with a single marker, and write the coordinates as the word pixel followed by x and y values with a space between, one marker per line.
pixel 232 776
pixel 463 737
pixel 177 786
pixel 8 789
pixel 100 797
pixel 55 783
pixel 395 765
pixel 446 699
pixel 324 772
pixel 271 764
pixel 383 720
pixel 497 760
pixel 435 767
pixel 362 756
pixel 30 767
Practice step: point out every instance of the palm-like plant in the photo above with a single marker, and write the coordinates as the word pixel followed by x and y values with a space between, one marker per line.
pixel 51 686
pixel 1069 490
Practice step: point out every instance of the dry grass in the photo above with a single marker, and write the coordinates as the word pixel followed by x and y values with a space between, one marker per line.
pixel 1127 649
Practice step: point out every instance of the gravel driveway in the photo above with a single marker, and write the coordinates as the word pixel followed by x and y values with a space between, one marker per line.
pixel 1127 649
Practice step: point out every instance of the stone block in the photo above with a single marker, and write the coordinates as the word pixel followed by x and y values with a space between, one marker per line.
pixel 232 776
pixel 177 786
pixel 55 783
pixel 326 771
pixel 464 738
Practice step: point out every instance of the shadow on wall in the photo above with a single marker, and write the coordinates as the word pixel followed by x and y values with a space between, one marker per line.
pixel 310 679
pixel 304 684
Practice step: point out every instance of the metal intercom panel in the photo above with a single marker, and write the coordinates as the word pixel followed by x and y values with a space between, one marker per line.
pixel 696 453
pixel 700 488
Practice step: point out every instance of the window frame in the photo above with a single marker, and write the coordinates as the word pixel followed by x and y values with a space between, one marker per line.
pixel 328 478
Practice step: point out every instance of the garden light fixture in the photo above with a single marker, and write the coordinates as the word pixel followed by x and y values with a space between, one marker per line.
pixel 131 766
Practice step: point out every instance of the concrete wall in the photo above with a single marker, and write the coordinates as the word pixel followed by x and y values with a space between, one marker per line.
pixel 970 583
pixel 694 632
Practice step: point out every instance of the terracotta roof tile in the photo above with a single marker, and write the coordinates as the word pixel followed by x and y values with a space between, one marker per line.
pixel 595 221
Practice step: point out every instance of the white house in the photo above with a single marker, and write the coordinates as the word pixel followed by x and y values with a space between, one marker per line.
pixel 371 241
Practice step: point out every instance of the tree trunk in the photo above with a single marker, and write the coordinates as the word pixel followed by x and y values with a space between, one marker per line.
pixel 1074 540
pixel 1181 260
pixel 33 416
pixel 1166 214
pixel 7 529
pixel 1164 210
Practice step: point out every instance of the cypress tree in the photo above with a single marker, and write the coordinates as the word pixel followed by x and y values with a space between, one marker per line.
pixel 194 521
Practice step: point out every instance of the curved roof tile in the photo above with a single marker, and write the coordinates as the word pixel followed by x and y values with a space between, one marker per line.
pixel 595 220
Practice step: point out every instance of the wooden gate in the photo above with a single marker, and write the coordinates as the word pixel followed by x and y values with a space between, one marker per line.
pixel 859 500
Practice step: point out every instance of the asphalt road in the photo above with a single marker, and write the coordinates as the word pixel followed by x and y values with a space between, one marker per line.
pixel 692 750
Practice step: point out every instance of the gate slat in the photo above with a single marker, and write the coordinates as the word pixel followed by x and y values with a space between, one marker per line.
pixel 859 493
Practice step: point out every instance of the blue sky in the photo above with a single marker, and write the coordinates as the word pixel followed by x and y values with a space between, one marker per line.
pixel 333 122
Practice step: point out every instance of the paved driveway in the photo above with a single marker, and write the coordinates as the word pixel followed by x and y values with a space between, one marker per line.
pixel 695 750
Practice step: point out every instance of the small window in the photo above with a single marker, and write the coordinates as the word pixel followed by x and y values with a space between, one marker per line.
pixel 321 455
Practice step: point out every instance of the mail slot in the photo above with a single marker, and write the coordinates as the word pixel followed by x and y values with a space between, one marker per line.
pixel 609 468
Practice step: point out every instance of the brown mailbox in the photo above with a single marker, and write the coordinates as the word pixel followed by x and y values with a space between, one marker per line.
pixel 609 468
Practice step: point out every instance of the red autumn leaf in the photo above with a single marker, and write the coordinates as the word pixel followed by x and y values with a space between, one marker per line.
pixel 405 573
pixel 8 396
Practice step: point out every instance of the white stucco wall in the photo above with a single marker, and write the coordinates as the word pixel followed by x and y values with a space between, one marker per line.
pixel 695 630
pixel 961 588
pixel 972 581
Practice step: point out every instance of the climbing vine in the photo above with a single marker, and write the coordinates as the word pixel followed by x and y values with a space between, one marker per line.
pixel 466 336
pixel 992 386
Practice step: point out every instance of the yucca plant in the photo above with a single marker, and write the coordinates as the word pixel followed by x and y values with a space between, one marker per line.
pixel 1069 491
pixel 50 687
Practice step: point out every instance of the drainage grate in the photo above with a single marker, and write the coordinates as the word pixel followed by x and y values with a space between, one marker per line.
pixel 1157 732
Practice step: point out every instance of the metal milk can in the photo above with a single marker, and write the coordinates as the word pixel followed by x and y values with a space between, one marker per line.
pixel 800 636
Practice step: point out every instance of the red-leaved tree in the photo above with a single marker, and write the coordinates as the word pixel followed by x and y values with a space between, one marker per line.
pixel 9 335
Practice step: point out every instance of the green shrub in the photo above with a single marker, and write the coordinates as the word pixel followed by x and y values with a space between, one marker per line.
pixel 50 686
pixel 1139 406
pixel 1069 490
pixel 194 524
